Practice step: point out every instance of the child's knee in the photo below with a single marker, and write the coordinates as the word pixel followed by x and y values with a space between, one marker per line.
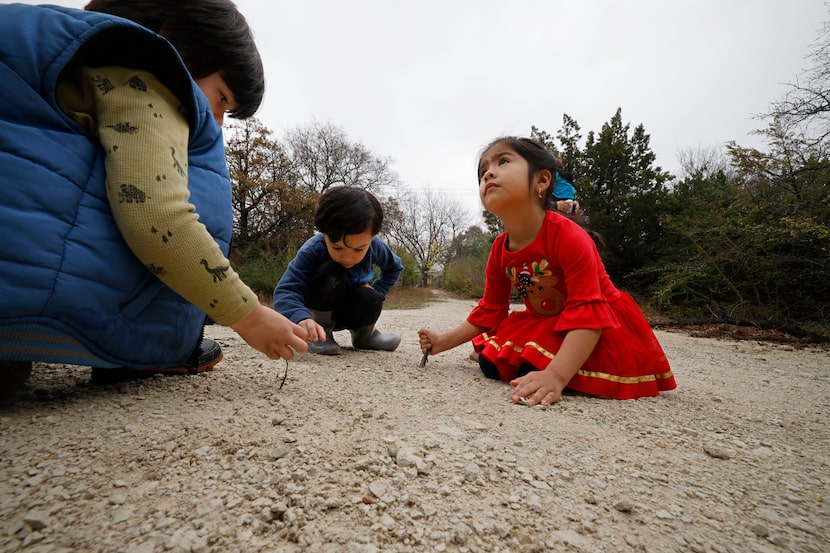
pixel 367 295
pixel 488 368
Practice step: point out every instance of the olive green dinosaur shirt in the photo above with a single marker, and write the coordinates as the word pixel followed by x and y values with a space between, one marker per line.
pixel 144 133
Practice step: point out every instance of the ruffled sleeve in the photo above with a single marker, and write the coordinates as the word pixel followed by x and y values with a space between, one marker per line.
pixel 493 308
pixel 595 314
pixel 588 287
pixel 487 316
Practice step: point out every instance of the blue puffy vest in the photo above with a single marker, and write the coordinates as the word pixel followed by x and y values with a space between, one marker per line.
pixel 71 291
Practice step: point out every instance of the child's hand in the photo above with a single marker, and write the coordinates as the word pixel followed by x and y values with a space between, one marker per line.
pixel 536 387
pixel 430 341
pixel 567 206
pixel 315 332
pixel 546 386
pixel 272 334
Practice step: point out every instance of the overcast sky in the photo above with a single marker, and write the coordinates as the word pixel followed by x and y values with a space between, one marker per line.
pixel 429 83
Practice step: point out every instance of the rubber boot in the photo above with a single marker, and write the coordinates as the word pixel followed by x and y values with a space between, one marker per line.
pixel 329 347
pixel 368 337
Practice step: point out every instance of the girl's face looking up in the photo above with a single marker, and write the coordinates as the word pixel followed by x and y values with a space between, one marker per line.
pixel 350 249
pixel 503 179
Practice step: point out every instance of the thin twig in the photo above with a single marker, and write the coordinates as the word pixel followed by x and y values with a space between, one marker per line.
pixel 284 376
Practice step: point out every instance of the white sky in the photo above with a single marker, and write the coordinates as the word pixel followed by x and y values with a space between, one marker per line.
pixel 429 83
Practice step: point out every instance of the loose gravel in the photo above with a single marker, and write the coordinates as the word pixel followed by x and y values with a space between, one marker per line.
pixel 366 452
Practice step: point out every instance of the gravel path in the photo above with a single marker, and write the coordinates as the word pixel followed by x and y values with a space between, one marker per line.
pixel 366 452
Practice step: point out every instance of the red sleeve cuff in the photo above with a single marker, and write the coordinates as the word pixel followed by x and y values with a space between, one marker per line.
pixel 487 317
pixel 587 314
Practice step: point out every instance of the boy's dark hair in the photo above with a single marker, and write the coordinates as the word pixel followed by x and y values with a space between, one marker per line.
pixel 210 35
pixel 343 210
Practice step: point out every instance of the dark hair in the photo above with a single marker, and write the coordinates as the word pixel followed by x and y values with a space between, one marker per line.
pixel 567 175
pixel 343 210
pixel 210 35
pixel 539 158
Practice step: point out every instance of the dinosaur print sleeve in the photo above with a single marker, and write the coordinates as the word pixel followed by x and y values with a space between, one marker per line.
pixel 144 134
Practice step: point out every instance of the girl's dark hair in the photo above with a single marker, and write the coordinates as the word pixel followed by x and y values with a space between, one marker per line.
pixel 210 35
pixel 539 158
pixel 343 210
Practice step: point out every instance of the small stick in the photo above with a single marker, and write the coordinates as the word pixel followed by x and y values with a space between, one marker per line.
pixel 285 375
pixel 423 362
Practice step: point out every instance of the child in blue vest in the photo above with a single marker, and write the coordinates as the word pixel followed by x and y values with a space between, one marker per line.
pixel 116 158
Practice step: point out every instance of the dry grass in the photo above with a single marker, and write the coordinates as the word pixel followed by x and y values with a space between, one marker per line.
pixel 412 298
pixel 399 298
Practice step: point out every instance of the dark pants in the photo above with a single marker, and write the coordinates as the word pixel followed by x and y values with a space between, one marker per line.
pixel 352 306
pixel 491 371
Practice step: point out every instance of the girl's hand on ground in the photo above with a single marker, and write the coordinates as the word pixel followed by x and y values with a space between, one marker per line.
pixel 537 387
pixel 546 386
pixel 272 334
pixel 315 332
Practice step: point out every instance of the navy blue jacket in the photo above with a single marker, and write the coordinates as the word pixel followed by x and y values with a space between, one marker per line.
pixel 71 291
pixel 291 290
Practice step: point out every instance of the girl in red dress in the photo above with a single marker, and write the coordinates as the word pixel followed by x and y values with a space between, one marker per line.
pixel 578 330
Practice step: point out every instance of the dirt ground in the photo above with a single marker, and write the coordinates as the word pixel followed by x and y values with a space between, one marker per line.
pixel 367 452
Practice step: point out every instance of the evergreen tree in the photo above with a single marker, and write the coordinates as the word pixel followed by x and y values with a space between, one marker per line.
pixel 622 192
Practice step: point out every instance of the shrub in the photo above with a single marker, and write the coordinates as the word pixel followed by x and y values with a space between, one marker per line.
pixel 410 276
pixel 260 268
pixel 465 276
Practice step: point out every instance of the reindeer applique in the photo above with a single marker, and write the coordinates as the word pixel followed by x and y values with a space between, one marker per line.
pixel 536 285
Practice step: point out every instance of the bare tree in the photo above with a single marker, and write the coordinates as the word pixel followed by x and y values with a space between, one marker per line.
pixel 323 156
pixel 425 225
pixel 805 107
pixel 268 205
pixel 704 162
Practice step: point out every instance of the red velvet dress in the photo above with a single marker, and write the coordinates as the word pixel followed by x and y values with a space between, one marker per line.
pixel 564 285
